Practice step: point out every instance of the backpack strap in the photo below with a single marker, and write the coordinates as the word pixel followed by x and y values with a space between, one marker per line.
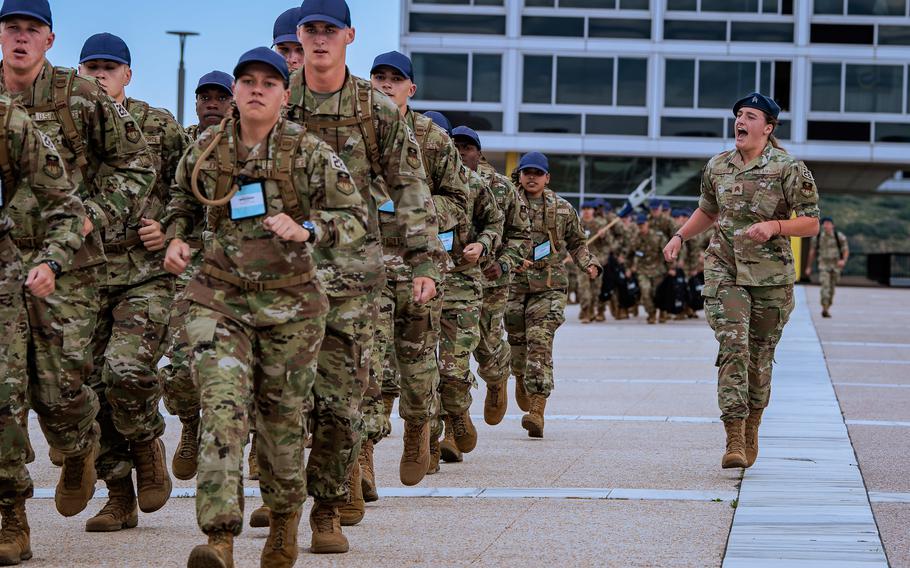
pixel 422 126
pixel 63 86
pixel 227 173
pixel 364 112
pixel 283 175
pixel 6 166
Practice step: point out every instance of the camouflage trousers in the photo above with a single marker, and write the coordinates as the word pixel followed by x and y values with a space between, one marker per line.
pixel 60 359
pixel 589 296
pixel 648 286
pixel 458 338
pixel 271 369
pixel 748 322
pixel 828 279
pixel 492 352
pixel 129 341
pixel 181 394
pixel 532 319
pixel 341 380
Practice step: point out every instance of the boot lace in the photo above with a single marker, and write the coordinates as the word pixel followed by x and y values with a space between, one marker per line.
pixel 366 460
pixel 146 453
pixel 459 427
pixel 279 525
pixel 189 444
pixel 537 404
pixel 11 524
pixel 73 467
pixel 412 434
pixel 324 518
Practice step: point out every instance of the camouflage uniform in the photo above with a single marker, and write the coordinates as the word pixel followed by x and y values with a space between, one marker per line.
pixel 492 353
pixel 749 286
pixel 649 264
pixel 135 308
pixel 108 161
pixel 694 251
pixel 589 290
pixel 377 147
pixel 828 250
pixel 537 300
pixel 30 164
pixel 258 311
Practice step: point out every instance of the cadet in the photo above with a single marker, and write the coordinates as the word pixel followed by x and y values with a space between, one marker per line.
pixel 832 250
pixel 107 159
pixel 271 192
pixel 214 95
pixel 385 166
pixel 537 301
pixel 589 289
pixel 751 192
pixel 284 38
pixel 492 353
pixel 129 337
pixel 648 264
pixel 27 159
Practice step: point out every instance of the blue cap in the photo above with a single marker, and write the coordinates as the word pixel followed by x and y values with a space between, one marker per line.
pixel 466 132
pixel 641 219
pixel 655 204
pixel 625 211
pixel 534 160
pixel 37 9
pixel 266 56
pixel 607 205
pixel 285 28
pixel 440 120
pixel 398 61
pixel 216 79
pixel 105 46
pixel 589 205
pixel 826 219
pixel 665 205
pixel 760 102
pixel 335 12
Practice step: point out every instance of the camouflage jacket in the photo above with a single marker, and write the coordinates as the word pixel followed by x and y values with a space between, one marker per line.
pixel 317 180
pixel 108 160
pixel 382 155
pixel 774 186
pixel 192 132
pixel 600 248
pixel 554 228
pixel 662 223
pixel 515 242
pixel 484 227
pixel 29 162
pixel 692 256
pixel 829 249
pixel 442 162
pixel 646 254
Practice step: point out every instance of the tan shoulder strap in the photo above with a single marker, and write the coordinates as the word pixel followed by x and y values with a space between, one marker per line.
pixel 227 172
pixel 284 176
pixel 365 114
pixel 63 86
pixel 145 113
pixel 422 127
pixel 6 166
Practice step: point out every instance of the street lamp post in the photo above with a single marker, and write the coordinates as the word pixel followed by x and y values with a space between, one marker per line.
pixel 181 72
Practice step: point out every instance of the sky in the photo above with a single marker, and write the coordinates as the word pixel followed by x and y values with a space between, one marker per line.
pixel 227 27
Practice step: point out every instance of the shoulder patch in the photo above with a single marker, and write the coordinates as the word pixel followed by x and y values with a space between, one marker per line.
pixel 45 139
pixel 344 184
pixel 804 171
pixel 411 136
pixel 338 163
pixel 132 132
pixel 121 110
pixel 52 167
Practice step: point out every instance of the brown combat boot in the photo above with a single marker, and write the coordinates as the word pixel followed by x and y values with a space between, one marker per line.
pixel 448 449
pixel 496 404
pixel 77 482
pixel 435 454
pixel 663 317
pixel 352 512
pixel 825 312
pixel 280 550
pixel 259 518
pixel 735 455
pixel 253 461
pixel 218 553
pixel 186 456
pixel 415 457
pixel 325 522
pixel 152 479
pixel 120 510
pixel 521 395
pixel 15 536
pixel 533 421
pixel 652 318
pixel 56 457
pixel 601 316
pixel 751 435
pixel 465 432
pixel 367 473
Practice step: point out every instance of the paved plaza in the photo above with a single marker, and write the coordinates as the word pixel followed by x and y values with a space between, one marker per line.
pixel 628 473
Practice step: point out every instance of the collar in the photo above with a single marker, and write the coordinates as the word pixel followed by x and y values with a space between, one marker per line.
pixel 735 160
pixel 41 91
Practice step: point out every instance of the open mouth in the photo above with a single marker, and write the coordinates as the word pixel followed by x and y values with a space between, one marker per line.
pixel 19 51
pixel 741 133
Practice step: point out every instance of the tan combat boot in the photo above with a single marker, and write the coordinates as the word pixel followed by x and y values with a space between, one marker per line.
pixel 367 473
pixel 218 553
pixel 751 435
pixel 352 512
pixel 495 404
pixel 652 318
pixel 465 432
pixel 56 457
pixel 152 479
pixel 15 536
pixel 120 510
pixel 253 461
pixel 259 518
pixel 77 482
pixel 187 454
pixel 735 455
pixel 435 454
pixel 521 395
pixel 664 317
pixel 280 550
pixel 325 522
pixel 415 457
pixel 601 314
pixel 533 421
pixel 448 449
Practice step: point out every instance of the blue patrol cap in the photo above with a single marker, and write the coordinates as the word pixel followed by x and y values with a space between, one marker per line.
pixel 440 120
pixel 665 204
pixel 589 205
pixel 607 205
pixel 397 61
pixel 266 56
pixel 641 219
pixel 676 212
pixel 760 102
pixel 216 79
pixel 105 46
pixel 469 133
pixel 335 12
pixel 827 219
pixel 37 9
pixel 534 160
pixel 285 28
pixel 655 204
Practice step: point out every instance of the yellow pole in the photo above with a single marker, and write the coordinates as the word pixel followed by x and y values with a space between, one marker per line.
pixel 511 163
pixel 796 243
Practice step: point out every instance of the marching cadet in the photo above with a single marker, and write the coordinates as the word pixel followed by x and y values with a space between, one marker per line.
pixel 648 264
pixel 268 193
pixel 750 192
pixel 29 163
pixel 589 289
pixel 537 301
pixel 131 328
pixel 832 250
pixel 284 38
pixel 104 153
pixel 214 96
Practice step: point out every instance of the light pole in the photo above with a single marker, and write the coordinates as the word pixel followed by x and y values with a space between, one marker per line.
pixel 181 73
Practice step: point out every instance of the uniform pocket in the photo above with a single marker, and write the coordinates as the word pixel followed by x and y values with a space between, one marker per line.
pixel 159 310
pixel 765 202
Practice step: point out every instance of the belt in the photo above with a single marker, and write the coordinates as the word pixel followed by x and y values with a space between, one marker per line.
pixel 257 285
pixel 393 242
pixel 120 247
pixel 540 264
pixel 28 242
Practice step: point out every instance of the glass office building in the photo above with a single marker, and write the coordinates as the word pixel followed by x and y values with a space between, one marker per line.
pixel 615 91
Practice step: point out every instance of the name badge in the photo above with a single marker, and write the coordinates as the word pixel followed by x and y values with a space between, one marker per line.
pixel 542 251
pixel 387 207
pixel 249 202
pixel 447 239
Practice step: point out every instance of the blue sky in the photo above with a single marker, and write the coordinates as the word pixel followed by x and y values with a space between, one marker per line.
pixel 228 28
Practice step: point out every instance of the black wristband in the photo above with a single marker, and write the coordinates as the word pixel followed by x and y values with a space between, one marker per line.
pixel 681 239
pixel 55 267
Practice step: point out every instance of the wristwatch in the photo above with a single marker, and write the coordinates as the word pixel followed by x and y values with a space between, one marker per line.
pixel 504 267
pixel 55 267
pixel 309 226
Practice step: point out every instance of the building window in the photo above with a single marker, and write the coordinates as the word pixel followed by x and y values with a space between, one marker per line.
pixel 591 4
pixel 721 83
pixel 550 123
pixel 718 84
pixel 892 132
pixel 538 79
pixel 839 131
pixel 840 87
pixel 461 2
pixel 615 175
pixel 456 24
pixel 695 30
pixel 894 35
pixel 826 87
pixel 480 121
pixel 692 127
pixel 585 80
pixel 452 76
pixel 862 7
pixel 560 27
pixel 619 28
pixel 784 7
pixel 486 78
pixel 842 33
pixel 616 125
pixel 565 173
pixel 754 31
